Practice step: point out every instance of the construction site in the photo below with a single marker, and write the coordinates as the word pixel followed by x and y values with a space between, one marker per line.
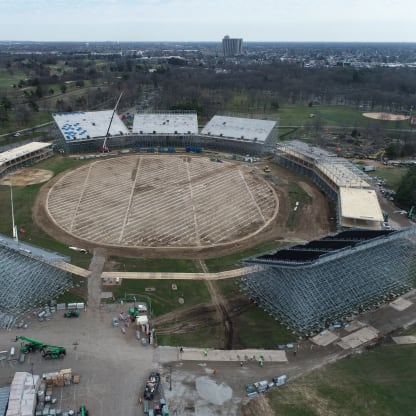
pixel 336 285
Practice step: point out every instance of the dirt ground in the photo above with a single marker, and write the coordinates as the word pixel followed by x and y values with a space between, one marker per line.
pixel 386 116
pixel 26 176
pixel 313 220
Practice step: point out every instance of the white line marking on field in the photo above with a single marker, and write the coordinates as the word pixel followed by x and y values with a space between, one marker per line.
pixel 126 216
pixel 252 196
pixel 193 205
pixel 81 196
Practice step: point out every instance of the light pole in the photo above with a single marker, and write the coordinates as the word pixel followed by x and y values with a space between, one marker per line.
pixel 170 378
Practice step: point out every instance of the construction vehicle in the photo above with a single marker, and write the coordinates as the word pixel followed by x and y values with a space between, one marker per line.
pixel 72 314
pixel 53 352
pixel 266 169
pixel 48 351
pixel 152 386
pixel 31 344
pixel 104 148
pixel 154 403
pixel 82 411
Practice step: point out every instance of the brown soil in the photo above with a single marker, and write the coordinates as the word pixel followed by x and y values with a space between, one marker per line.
pixel 221 311
pixel 26 176
pixel 258 406
pixel 386 116
pixel 312 222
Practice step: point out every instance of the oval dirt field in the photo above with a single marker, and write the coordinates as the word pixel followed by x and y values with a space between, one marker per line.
pixel 162 201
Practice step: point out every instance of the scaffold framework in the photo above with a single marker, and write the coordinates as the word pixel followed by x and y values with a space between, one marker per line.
pixel 26 283
pixel 309 287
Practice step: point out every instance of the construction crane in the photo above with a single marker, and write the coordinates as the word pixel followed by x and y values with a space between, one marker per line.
pixel 104 148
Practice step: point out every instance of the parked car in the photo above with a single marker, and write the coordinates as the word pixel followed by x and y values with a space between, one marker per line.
pixel 115 322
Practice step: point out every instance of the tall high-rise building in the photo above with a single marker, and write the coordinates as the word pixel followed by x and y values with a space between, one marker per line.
pixel 232 46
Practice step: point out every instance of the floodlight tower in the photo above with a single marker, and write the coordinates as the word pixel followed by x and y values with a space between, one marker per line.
pixel 104 148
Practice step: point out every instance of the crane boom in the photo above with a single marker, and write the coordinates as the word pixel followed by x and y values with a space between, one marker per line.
pixel 104 146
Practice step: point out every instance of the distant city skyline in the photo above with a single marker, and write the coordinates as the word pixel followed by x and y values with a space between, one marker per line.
pixel 197 20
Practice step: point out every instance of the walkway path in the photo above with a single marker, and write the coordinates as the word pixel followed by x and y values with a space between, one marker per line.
pixel 94 281
pixel 159 275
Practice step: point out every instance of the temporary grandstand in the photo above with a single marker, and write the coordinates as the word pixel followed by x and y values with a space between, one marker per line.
pixel 86 130
pixel 163 131
pixel 165 123
pixel 352 189
pixel 28 279
pixel 22 156
pixel 238 128
pixel 308 287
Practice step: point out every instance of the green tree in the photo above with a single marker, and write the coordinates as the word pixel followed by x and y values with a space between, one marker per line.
pixel 406 192
pixel 391 151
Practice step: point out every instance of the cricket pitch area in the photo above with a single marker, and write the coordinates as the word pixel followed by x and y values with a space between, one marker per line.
pixel 162 201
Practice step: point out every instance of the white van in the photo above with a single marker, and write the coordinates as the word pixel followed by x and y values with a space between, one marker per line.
pixel 12 352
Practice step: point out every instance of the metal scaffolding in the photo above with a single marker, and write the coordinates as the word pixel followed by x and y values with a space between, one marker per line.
pixel 25 283
pixel 308 287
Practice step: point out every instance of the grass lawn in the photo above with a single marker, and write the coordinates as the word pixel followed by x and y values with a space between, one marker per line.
pixel 7 79
pixel 296 194
pixel 298 115
pixel 257 329
pixel 233 261
pixel 228 287
pixel 392 175
pixel 163 298
pixel 380 382
pixel 202 338
pixel 153 265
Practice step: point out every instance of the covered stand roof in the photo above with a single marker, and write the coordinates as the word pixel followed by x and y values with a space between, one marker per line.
pixel 314 250
pixel 360 207
pixel 165 123
pixel 21 151
pixel 82 125
pixel 239 128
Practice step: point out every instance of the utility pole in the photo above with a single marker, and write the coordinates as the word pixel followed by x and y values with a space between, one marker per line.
pixel 170 378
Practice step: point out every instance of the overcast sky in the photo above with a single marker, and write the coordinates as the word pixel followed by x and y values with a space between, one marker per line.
pixel 209 20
